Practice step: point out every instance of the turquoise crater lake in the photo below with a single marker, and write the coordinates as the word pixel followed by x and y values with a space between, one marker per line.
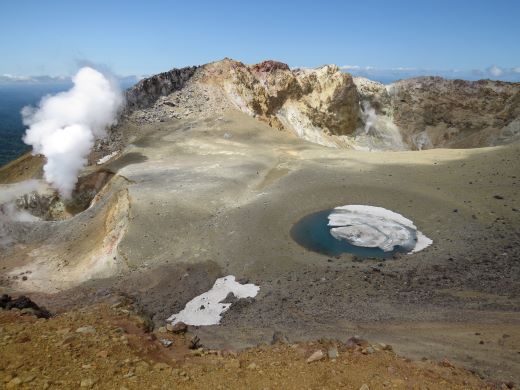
pixel 313 233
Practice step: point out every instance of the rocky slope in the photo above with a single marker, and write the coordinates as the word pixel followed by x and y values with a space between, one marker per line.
pixel 147 91
pixel 329 107
pixel 314 104
pixel 107 346
pixel 434 112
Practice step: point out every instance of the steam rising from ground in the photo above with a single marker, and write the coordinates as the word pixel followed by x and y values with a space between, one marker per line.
pixel 8 210
pixel 65 126
pixel 379 132
pixel 9 192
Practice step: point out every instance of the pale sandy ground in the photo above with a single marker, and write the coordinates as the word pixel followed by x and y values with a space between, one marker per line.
pixel 218 197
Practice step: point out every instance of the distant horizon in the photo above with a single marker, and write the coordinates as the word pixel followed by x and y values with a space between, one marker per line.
pixel 381 75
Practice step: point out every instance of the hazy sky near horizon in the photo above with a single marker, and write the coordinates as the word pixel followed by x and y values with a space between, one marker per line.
pixel 138 37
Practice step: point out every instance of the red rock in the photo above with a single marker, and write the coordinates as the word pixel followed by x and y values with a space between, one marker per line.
pixel 269 66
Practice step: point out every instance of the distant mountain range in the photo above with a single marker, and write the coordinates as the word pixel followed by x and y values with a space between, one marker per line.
pixel 380 74
pixel 125 81
pixel 390 75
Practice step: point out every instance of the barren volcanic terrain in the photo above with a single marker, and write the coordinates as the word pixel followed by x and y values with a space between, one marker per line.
pixel 210 167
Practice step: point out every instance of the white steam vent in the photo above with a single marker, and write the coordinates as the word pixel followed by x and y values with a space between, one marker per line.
pixel 64 126
pixel 375 227
pixel 379 132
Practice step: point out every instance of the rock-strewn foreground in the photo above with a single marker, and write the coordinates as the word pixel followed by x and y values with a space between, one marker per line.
pixel 107 346
pixel 208 178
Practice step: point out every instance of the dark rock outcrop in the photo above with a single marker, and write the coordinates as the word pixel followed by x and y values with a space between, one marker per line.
pixel 269 66
pixel 23 303
pixel 148 90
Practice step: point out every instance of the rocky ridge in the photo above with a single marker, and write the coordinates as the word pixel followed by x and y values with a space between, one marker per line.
pixel 147 91
pixel 329 107
pixel 314 104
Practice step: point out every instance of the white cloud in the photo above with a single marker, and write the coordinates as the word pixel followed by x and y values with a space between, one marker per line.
pixel 12 77
pixel 387 75
pixel 350 67
pixel 374 68
pixel 495 71
pixel 61 79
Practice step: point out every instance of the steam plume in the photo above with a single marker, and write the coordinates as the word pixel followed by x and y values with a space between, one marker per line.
pixel 64 126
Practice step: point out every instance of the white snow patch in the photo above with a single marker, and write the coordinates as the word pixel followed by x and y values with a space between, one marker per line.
pixel 422 242
pixel 375 227
pixel 207 308
pixel 104 159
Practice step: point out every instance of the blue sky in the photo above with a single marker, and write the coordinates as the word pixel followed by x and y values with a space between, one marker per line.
pixel 138 37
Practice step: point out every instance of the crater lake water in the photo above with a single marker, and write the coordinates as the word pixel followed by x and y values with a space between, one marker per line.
pixel 313 233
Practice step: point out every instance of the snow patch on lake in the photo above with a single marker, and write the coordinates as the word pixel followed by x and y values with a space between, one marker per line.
pixel 207 308
pixel 376 227
pixel 422 242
